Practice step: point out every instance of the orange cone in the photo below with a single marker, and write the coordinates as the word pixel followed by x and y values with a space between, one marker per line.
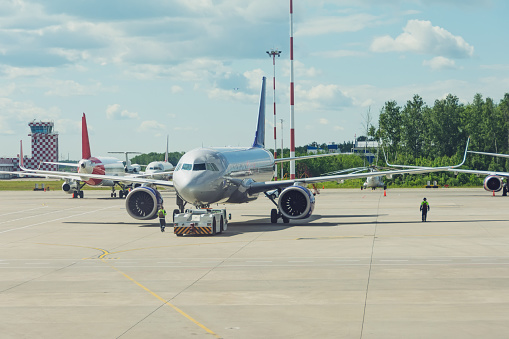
pixel 385 193
pixel 493 193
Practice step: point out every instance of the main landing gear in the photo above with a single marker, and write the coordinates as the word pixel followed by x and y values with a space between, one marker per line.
pixel 275 214
pixel 121 193
pixel 78 193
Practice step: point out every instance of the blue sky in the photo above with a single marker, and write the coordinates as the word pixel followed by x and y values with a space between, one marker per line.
pixel 192 69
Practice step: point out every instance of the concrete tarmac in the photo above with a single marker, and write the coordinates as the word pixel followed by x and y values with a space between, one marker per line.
pixel 363 266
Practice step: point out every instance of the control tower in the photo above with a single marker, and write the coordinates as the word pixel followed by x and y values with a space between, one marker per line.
pixel 44 146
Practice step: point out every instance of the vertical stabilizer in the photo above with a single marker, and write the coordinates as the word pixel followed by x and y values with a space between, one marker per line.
pixel 259 140
pixel 85 145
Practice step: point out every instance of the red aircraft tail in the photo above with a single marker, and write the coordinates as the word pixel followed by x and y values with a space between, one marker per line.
pixel 85 145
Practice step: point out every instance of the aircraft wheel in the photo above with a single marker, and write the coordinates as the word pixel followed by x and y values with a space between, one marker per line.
pixel 121 194
pixel 285 220
pixel 81 194
pixel 273 216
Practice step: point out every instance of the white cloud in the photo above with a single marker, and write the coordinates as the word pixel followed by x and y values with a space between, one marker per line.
pixel 323 121
pixel 113 112
pixel 421 37
pixel 176 89
pixel 335 24
pixel 152 126
pixel 439 63
pixel 340 54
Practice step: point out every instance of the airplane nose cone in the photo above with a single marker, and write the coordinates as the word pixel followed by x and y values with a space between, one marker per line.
pixel 193 188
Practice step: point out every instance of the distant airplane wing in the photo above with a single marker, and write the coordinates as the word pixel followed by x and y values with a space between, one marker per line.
pixel 277 161
pixel 85 177
pixel 258 187
pixel 491 154
pixel 479 172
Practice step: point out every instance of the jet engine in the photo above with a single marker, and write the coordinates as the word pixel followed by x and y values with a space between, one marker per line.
pixel 69 187
pixel 143 202
pixel 493 183
pixel 296 202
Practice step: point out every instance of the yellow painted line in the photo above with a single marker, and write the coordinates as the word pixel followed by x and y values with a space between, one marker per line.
pixel 93 248
pixel 105 253
pixel 165 301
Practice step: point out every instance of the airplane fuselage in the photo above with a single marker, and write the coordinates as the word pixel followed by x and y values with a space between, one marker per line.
pixel 221 175
pixel 374 182
pixel 101 166
pixel 156 169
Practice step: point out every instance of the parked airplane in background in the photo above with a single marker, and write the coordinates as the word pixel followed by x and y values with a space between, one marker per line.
pixel 371 182
pixel 207 176
pixel 161 170
pixel 98 166
pixel 494 181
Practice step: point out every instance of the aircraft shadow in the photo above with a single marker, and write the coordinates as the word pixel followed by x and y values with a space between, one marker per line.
pixel 111 223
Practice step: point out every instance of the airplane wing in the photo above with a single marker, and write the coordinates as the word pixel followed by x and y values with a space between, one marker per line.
pixel 258 187
pixel 277 161
pixel 409 166
pixel 491 154
pixel 479 172
pixel 62 163
pixel 84 177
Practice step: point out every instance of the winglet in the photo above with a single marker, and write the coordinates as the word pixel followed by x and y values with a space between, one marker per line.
pixel 464 156
pixel 85 145
pixel 259 140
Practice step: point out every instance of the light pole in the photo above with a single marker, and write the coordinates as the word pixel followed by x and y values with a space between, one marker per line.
pixel 273 53
pixel 281 148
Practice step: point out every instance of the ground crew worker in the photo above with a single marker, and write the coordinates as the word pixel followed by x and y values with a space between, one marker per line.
pixel 424 209
pixel 161 213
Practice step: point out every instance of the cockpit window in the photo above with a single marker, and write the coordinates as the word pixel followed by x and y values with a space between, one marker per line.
pixel 178 167
pixel 187 167
pixel 211 167
pixel 199 167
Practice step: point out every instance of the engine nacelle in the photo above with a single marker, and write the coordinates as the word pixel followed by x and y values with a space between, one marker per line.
pixel 143 202
pixel 296 202
pixel 69 187
pixel 493 183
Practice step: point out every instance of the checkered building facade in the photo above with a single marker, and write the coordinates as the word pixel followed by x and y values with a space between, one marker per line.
pixel 44 148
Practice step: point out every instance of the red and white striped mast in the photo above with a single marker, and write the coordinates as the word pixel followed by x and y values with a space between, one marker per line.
pixel 273 54
pixel 292 127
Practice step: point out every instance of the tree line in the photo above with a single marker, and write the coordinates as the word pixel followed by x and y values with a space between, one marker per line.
pixel 416 134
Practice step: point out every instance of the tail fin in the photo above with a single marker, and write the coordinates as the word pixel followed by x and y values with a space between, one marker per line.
pixel 259 140
pixel 85 145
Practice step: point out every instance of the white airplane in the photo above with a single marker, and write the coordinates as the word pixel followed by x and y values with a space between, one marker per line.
pixel 371 182
pixel 98 166
pixel 161 170
pixel 494 181
pixel 207 176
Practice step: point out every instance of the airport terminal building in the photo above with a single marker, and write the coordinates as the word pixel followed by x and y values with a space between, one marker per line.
pixel 44 148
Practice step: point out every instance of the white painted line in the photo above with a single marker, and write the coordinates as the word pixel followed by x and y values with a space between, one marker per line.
pixel 63 218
